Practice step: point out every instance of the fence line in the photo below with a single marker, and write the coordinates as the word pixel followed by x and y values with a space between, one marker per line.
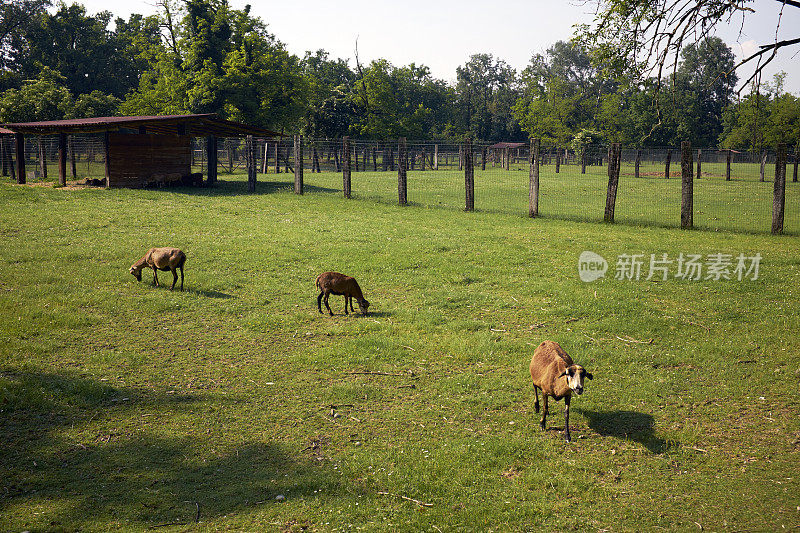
pixel 729 188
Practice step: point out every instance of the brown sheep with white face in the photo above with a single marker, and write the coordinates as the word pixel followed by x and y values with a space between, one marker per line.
pixel 164 259
pixel 553 371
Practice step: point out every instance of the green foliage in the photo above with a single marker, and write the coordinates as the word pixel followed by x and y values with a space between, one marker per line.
pixel 45 98
pixel 486 91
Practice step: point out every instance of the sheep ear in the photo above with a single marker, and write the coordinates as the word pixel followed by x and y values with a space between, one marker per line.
pixel 589 375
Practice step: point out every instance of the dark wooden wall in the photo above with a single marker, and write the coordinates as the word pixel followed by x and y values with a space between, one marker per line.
pixel 136 160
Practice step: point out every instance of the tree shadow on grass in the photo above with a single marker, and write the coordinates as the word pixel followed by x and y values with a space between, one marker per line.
pixel 627 425
pixel 239 187
pixel 135 474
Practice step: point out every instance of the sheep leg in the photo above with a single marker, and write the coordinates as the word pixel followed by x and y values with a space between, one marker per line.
pixel 175 279
pixel 319 302
pixel 536 403
pixel 181 279
pixel 155 277
pixel 345 304
pixel 566 419
pixel 542 424
pixel 325 300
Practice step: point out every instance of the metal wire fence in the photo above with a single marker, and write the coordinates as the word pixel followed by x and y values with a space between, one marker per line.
pixel 733 190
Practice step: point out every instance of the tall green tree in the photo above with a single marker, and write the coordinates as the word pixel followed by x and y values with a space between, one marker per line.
pixel 486 91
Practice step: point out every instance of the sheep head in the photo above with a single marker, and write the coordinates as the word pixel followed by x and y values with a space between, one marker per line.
pixel 575 375
pixel 363 305
pixel 136 272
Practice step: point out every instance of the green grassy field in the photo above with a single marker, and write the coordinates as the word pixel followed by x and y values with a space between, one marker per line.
pixel 126 406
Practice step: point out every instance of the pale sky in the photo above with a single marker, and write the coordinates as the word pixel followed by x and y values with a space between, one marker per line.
pixel 442 34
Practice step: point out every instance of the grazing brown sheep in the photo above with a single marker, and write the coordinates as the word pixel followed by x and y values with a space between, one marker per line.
pixel 161 259
pixel 558 376
pixel 335 283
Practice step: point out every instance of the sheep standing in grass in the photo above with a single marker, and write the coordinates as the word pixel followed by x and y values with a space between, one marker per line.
pixel 335 283
pixel 558 376
pixel 163 259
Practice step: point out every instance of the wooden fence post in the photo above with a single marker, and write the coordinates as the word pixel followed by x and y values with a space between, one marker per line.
pixel 638 163
pixel 699 168
pixel 19 141
pixel 265 166
pixel 10 157
pixel 211 155
pixel 469 175
pixel 728 165
pixel 391 157
pixel 72 157
pixel 460 157
pixel 779 190
pixel 375 158
pixel 42 158
pixel 687 186
pixel 533 180
pixel 402 180
pixel 298 164
pixel 558 160
pixel 346 166
pixel 613 179
pixel 763 165
pixel 483 158
pixel 62 159
pixel 435 157
pixel 669 160
pixel 250 162
pixel 277 156
pixel 583 160
pixel 796 160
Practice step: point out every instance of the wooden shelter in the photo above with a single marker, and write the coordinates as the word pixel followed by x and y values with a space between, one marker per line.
pixel 139 151
pixel 504 149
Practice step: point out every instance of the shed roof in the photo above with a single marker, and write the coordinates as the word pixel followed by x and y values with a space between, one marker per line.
pixel 195 125
pixel 4 131
pixel 507 145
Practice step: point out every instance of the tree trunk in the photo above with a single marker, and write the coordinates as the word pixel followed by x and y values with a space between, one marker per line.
pixel 469 175
pixel 346 166
pixel 402 179
pixel 779 190
pixel 613 180
pixel 533 180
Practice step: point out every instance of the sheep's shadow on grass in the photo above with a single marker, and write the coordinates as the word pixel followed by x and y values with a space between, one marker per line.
pixel 210 293
pixel 120 468
pixel 627 425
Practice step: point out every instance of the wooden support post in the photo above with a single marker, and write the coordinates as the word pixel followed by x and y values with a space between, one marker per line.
pixel 62 159
pixel 435 157
pixel 298 164
pixel 211 155
pixel 779 190
pixel 315 160
pixel 10 156
pixel 687 186
pixel 346 166
pixel 699 166
pixel 265 163
pixel 277 157
pixel 423 159
pixel 107 157
pixel 796 161
pixel 72 157
pixel 533 180
pixel 613 180
pixel 763 165
pixel 402 178
pixel 469 175
pixel 666 167
pixel 42 158
pixel 366 158
pixel 728 165
pixel 483 158
pixel 375 158
pixel 250 163
pixel 558 160
pixel 637 164
pixel 4 154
